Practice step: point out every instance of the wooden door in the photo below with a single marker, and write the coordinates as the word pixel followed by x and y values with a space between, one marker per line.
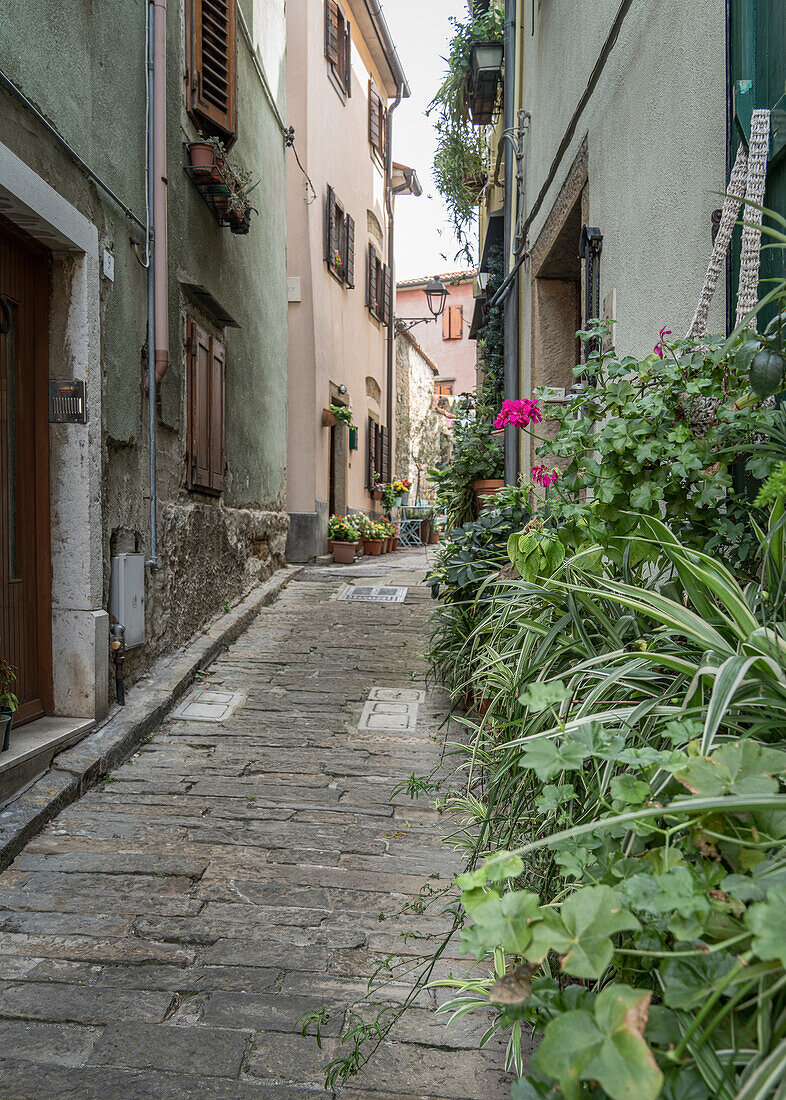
pixel 25 580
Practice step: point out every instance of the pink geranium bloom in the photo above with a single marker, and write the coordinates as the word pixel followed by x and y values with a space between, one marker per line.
pixel 519 413
pixel 658 349
pixel 543 477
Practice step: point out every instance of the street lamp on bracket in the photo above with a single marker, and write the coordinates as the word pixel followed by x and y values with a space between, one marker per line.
pixel 436 295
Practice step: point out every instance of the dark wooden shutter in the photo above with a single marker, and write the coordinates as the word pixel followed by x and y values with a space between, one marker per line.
pixel 371 277
pixel 199 371
pixel 385 454
pixel 371 451
pixel 206 370
pixel 217 372
pixel 349 252
pixel 374 109
pixel 212 62
pixel 387 303
pixel 330 225
pixel 348 59
pixel 331 31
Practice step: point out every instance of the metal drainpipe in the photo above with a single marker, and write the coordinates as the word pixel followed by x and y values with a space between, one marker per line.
pixel 152 561
pixel 511 312
pixel 158 284
pixel 391 343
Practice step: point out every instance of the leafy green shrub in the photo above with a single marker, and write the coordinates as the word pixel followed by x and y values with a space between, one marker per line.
pixel 632 797
pixel 659 435
pixel 476 456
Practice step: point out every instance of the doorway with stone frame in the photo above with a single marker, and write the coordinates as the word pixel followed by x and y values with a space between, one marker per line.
pixel 557 291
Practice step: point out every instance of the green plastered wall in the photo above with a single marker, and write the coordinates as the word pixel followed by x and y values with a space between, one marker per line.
pixel 82 63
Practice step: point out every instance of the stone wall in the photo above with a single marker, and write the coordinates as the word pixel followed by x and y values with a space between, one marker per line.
pixel 421 432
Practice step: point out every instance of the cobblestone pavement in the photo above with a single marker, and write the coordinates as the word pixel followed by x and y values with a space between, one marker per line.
pixel 163 935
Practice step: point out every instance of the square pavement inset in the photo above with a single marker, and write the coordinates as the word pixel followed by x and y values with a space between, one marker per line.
pixel 391 709
pixel 203 705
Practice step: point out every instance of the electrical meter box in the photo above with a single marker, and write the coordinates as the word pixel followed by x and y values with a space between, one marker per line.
pixel 127 596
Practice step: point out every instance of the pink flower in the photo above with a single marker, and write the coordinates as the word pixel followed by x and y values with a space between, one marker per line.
pixel 520 413
pixel 658 349
pixel 541 476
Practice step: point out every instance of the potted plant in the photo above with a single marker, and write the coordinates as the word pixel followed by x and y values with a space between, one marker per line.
pixel 344 536
pixel 372 539
pixel 401 489
pixel 207 157
pixel 342 414
pixel 378 489
pixel 8 703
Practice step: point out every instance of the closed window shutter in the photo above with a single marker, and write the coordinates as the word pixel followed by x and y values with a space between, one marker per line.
pixel 199 369
pixel 371 451
pixel 446 323
pixel 348 60
pixel 385 456
pixel 217 417
pixel 456 322
pixel 213 62
pixel 374 105
pixel 206 370
pixel 349 263
pixel 388 295
pixel 331 31
pixel 371 277
pixel 330 225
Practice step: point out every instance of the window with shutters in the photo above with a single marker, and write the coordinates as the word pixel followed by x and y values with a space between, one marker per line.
pixel 338 45
pixel 211 37
pixel 377 458
pixel 443 389
pixel 377 120
pixel 453 323
pixel 339 240
pixel 205 450
pixel 379 288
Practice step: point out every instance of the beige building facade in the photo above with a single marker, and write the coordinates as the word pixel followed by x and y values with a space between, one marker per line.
pixel 343 81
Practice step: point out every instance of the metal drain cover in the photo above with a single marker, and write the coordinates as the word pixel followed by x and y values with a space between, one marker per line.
pixel 379 593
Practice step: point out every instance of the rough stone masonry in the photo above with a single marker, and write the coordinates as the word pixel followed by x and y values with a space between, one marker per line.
pixel 162 937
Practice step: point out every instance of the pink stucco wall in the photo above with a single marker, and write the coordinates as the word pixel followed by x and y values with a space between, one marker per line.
pixel 454 358
pixel 333 338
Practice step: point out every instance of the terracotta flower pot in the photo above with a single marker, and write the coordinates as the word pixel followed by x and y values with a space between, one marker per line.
pixel 328 419
pixel 377 494
pixel 202 155
pixel 343 552
pixel 330 546
pixel 486 487
pixel 394 540
pixel 373 547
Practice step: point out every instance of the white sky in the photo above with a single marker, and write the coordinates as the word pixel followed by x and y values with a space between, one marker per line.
pixel 420 30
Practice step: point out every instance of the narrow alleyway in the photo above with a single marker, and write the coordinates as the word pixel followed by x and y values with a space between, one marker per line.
pixel 163 935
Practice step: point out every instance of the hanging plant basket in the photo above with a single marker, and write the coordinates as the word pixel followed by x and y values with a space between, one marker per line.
pixel 240 220
pixel 329 419
pixel 487 58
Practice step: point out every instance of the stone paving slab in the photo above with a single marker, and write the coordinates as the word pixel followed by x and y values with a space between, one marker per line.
pixel 164 934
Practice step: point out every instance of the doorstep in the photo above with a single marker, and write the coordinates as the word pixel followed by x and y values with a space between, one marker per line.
pixel 33 747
